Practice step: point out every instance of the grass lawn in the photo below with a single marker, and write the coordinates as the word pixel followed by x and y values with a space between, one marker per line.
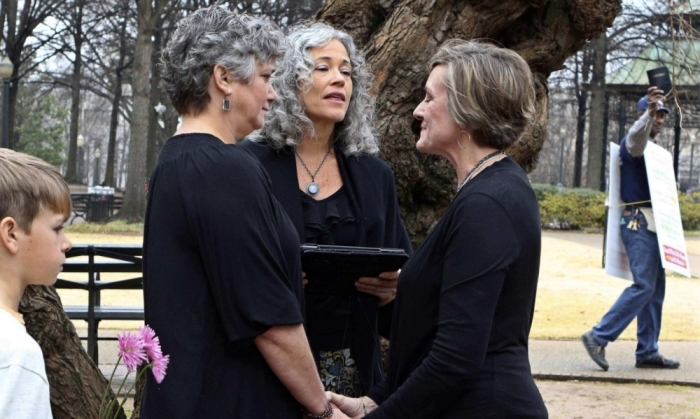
pixel 573 294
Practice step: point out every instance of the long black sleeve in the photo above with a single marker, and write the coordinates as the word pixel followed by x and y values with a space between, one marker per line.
pixel 478 246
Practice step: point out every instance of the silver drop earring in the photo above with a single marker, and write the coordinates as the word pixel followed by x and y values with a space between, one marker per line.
pixel 460 145
pixel 226 105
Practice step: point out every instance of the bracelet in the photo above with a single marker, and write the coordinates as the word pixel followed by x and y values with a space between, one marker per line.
pixel 326 413
pixel 364 407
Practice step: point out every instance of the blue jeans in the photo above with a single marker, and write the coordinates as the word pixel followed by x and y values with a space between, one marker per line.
pixel 643 299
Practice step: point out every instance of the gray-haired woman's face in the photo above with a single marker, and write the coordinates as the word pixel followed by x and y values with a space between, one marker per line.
pixel 250 102
pixel 328 99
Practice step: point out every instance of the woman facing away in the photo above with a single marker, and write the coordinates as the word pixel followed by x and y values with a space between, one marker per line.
pixel 222 274
pixel 318 145
pixel 459 341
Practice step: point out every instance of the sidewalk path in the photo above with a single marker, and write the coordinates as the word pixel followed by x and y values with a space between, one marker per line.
pixel 549 359
pixel 568 360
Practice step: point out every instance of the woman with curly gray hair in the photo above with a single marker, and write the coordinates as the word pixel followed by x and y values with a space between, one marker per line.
pixel 222 274
pixel 319 145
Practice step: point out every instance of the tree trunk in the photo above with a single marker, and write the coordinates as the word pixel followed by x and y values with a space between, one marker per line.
pixel 134 191
pixel 116 103
pixel 77 385
pixel 71 170
pixel 580 134
pixel 153 100
pixel 582 73
pixel 401 36
pixel 596 129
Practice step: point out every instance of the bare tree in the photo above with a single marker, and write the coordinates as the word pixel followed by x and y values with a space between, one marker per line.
pixel 22 44
pixel 134 191
pixel 75 25
pixel 596 138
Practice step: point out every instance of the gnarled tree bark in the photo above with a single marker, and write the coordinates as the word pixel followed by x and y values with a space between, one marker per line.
pixel 77 385
pixel 399 38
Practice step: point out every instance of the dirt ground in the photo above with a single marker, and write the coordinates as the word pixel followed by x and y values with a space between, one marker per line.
pixel 594 400
pixel 573 293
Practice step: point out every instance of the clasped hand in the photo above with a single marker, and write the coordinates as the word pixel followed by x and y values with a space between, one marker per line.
pixel 654 96
pixel 352 407
pixel 384 286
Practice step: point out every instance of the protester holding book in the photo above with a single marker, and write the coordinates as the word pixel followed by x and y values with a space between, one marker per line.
pixel 459 342
pixel 643 299
pixel 318 145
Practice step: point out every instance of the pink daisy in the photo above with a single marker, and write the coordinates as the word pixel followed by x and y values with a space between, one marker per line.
pixel 151 343
pixel 160 365
pixel 131 350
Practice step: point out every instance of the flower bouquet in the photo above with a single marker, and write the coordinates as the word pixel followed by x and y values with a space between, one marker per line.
pixel 135 349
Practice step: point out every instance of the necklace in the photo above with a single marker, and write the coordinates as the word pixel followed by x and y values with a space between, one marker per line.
pixel 478 165
pixel 312 188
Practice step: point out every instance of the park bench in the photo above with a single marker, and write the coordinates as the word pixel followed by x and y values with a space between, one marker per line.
pixel 95 207
pixel 80 206
pixel 102 259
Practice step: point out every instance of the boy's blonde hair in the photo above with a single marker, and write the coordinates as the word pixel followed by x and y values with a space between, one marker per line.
pixel 29 185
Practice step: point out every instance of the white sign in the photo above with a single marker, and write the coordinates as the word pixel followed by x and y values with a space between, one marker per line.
pixel 667 212
pixel 616 262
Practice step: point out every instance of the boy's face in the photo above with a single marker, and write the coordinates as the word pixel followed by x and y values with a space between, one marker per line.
pixel 42 249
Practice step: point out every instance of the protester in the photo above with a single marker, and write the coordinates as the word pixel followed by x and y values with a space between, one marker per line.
pixel 34 204
pixel 319 145
pixel 645 297
pixel 459 343
pixel 222 275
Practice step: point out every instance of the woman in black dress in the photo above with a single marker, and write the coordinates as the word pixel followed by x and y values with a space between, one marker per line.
pixel 466 297
pixel 318 145
pixel 222 274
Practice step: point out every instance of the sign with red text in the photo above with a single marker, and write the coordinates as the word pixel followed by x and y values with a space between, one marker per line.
pixel 616 262
pixel 667 212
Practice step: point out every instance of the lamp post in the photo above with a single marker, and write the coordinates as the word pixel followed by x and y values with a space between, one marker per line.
pixel 96 178
pixel 562 135
pixel 692 151
pixel 80 143
pixel 6 69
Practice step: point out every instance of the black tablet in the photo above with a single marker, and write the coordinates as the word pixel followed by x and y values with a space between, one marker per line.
pixel 334 269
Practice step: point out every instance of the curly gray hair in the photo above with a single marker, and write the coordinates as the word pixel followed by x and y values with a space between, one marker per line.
pixel 212 36
pixel 286 123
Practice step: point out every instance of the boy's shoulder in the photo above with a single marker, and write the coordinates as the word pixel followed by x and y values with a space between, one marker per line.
pixel 17 347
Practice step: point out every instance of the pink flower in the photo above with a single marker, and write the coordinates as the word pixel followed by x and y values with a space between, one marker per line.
pixel 159 367
pixel 151 343
pixel 131 349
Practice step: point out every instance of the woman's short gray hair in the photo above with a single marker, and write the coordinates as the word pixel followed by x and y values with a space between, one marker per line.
pixel 489 89
pixel 212 36
pixel 286 123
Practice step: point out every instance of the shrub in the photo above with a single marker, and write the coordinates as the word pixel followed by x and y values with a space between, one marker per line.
pixel 541 189
pixel 564 208
pixel 690 210
pixel 572 209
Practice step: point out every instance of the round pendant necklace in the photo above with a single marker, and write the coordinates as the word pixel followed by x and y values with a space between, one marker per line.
pixel 312 188
pixel 478 165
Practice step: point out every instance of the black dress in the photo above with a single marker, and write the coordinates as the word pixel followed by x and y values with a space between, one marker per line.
pixel 459 342
pixel 221 266
pixel 328 316
pixel 368 185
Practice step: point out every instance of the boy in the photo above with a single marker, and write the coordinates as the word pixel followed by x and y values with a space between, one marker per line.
pixel 34 204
